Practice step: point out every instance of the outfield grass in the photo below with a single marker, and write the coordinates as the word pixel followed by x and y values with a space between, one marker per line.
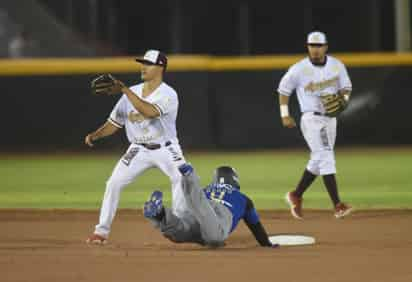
pixel 368 178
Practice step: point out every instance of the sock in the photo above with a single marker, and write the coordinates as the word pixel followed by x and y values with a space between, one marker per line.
pixel 331 186
pixel 306 180
pixel 186 169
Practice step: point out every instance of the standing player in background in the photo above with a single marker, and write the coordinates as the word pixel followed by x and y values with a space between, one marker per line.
pixel 323 89
pixel 212 214
pixel 148 112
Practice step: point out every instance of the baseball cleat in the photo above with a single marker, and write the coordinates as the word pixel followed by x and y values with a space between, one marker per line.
pixel 153 207
pixel 96 239
pixel 295 204
pixel 342 210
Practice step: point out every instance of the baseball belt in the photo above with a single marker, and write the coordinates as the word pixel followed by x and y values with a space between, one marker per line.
pixel 154 146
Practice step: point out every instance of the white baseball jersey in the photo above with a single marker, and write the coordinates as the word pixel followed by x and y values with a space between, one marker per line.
pixel 142 130
pixel 311 82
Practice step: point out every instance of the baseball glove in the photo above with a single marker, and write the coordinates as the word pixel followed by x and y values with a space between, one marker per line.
pixel 333 104
pixel 105 84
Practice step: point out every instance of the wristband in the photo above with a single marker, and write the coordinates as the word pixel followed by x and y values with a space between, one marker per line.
pixel 284 111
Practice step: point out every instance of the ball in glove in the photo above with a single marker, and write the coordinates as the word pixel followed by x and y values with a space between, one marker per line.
pixel 105 84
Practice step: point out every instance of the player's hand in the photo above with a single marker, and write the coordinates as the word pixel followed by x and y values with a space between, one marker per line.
pixel 88 140
pixel 288 122
pixel 119 84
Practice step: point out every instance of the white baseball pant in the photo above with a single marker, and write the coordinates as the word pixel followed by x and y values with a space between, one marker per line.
pixel 136 160
pixel 320 135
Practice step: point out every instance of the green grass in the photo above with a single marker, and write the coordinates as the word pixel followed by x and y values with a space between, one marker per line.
pixel 367 178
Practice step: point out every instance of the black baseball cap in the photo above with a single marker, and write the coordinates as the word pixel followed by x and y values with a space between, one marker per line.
pixel 154 57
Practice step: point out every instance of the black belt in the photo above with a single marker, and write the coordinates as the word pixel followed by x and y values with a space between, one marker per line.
pixel 154 146
pixel 318 114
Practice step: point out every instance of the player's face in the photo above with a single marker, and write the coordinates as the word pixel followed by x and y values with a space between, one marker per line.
pixel 149 72
pixel 317 52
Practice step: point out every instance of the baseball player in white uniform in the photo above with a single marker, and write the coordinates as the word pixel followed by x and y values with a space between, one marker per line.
pixel 313 77
pixel 148 112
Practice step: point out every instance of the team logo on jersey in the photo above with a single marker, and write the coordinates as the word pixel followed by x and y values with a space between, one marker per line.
pixel 135 117
pixel 318 86
pixel 310 87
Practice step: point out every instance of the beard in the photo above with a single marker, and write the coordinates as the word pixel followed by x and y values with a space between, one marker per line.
pixel 318 59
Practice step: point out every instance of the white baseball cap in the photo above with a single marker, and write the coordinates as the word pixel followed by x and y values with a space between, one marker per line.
pixel 153 57
pixel 317 37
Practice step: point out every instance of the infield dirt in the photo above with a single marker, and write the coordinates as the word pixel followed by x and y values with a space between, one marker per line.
pixel 38 245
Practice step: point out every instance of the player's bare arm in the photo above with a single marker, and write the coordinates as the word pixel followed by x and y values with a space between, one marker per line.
pixel 146 109
pixel 152 75
pixel 287 120
pixel 105 130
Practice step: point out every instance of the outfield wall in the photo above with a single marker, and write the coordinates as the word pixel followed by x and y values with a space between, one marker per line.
pixel 224 102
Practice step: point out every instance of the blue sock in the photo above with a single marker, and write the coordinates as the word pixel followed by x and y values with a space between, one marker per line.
pixel 185 169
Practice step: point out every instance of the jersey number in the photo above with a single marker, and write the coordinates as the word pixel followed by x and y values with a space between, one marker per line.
pixel 217 196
